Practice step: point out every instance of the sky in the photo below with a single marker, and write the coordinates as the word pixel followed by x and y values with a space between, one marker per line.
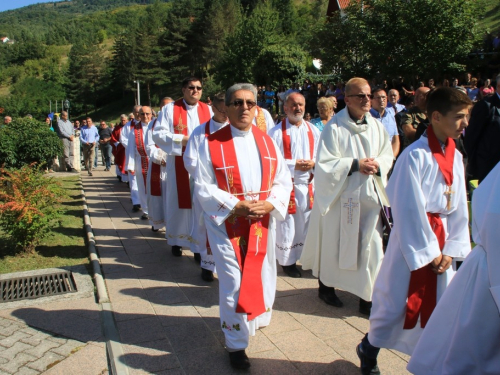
pixel 14 4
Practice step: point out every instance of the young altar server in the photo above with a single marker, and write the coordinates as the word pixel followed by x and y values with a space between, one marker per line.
pixel 243 185
pixel 464 330
pixel 431 229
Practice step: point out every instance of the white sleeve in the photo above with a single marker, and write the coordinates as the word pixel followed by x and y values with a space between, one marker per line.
pixel 163 134
pixel 279 196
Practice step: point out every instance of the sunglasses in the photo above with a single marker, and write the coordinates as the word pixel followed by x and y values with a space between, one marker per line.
pixel 144 113
pixel 192 88
pixel 361 96
pixel 240 102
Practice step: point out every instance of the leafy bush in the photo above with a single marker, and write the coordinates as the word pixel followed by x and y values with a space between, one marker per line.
pixel 25 141
pixel 29 205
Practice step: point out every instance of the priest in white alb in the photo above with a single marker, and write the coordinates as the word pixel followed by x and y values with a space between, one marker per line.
pixel 344 242
pixel 132 179
pixel 137 157
pixel 298 142
pixel 171 134
pixel 464 330
pixel 191 156
pixel 244 186
pixel 431 231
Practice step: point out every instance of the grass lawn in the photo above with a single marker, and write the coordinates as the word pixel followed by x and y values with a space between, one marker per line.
pixel 65 246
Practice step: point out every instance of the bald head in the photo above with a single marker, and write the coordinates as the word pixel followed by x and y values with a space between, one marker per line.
pixel 165 101
pixel 137 108
pixel 355 82
pixel 421 97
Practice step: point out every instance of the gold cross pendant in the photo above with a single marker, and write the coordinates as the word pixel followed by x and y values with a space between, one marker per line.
pixel 448 194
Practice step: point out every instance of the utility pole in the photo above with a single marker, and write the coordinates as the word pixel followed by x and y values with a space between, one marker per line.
pixel 138 93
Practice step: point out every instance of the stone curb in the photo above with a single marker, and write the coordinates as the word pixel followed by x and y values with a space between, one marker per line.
pixel 102 294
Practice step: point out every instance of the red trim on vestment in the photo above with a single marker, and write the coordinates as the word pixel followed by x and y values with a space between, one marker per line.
pixel 141 149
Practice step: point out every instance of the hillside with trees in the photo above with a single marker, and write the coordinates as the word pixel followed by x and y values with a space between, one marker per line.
pixel 92 51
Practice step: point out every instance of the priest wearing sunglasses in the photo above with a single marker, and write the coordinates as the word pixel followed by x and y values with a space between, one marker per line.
pixel 176 122
pixel 344 242
pixel 243 185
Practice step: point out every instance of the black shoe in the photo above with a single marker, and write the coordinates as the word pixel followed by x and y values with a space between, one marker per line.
pixel 73 170
pixel 136 207
pixel 239 360
pixel 144 217
pixel 330 298
pixel 90 173
pixel 197 258
pixel 154 230
pixel 207 275
pixel 176 251
pixel 368 365
pixel 68 169
pixel 365 307
pixel 292 271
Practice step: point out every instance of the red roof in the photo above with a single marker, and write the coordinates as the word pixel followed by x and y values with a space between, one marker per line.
pixel 335 5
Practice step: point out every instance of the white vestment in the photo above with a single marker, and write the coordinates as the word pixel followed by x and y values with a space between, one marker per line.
pixel 291 233
pixel 156 210
pixel 133 163
pixel 344 241
pixel 132 180
pixel 178 222
pixel 416 187
pixel 217 204
pixel 199 230
pixel 462 336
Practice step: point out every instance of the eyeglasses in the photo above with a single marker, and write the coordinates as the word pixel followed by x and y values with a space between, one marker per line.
pixel 144 113
pixel 361 96
pixel 380 97
pixel 192 88
pixel 240 102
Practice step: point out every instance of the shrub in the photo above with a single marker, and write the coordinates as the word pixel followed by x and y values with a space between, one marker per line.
pixel 25 141
pixel 29 205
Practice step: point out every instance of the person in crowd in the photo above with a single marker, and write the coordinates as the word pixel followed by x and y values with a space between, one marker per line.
pixel 191 156
pixel 243 185
pixel 105 143
pixel 415 116
pixel 7 120
pixel 281 98
pixel 297 140
pixel 486 89
pixel 464 328
pixel 431 84
pixel 344 242
pixel 119 150
pixel 481 136
pixel 386 116
pixel 325 109
pixel 394 101
pixel 124 138
pixel 89 138
pixel 64 130
pixel 429 184
pixel 171 134
pixel 473 90
pixel 340 94
pixel 269 98
pixel 136 157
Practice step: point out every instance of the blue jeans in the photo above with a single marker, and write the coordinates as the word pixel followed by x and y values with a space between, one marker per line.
pixel 106 151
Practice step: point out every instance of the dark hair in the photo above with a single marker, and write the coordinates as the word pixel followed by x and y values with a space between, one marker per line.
pixel 378 89
pixel 185 81
pixel 443 99
pixel 219 97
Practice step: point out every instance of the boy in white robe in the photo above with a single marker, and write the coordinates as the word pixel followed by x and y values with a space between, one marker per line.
pixel 191 155
pixel 132 180
pixel 463 334
pixel 298 142
pixel 245 298
pixel 429 207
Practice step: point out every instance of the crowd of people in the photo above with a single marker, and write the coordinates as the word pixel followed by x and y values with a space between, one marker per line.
pixel 372 196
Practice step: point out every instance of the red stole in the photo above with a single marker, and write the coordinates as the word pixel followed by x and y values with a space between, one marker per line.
pixel 141 149
pixel 287 149
pixel 181 127
pixel 118 151
pixel 248 238
pixel 422 291
pixel 155 173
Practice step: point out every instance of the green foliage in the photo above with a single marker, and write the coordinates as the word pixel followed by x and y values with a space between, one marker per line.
pixel 29 205
pixel 26 141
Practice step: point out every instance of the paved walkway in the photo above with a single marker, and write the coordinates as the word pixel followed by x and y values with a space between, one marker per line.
pixel 168 317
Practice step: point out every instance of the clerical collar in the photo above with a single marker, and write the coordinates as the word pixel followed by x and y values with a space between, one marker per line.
pixel 240 133
pixel 363 121
pixel 189 106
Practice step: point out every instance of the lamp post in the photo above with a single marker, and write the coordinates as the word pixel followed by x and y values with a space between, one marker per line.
pixel 66 106
pixel 138 93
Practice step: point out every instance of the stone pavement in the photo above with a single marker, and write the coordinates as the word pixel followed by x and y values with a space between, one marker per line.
pixel 168 317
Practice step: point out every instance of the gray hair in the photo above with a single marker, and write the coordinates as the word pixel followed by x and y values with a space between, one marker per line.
pixel 237 87
pixel 123 116
pixel 137 108
pixel 293 93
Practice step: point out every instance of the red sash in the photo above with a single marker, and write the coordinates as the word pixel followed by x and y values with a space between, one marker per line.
pixel 181 127
pixel 287 148
pixel 141 149
pixel 422 291
pixel 248 238
pixel 155 172
pixel 118 151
